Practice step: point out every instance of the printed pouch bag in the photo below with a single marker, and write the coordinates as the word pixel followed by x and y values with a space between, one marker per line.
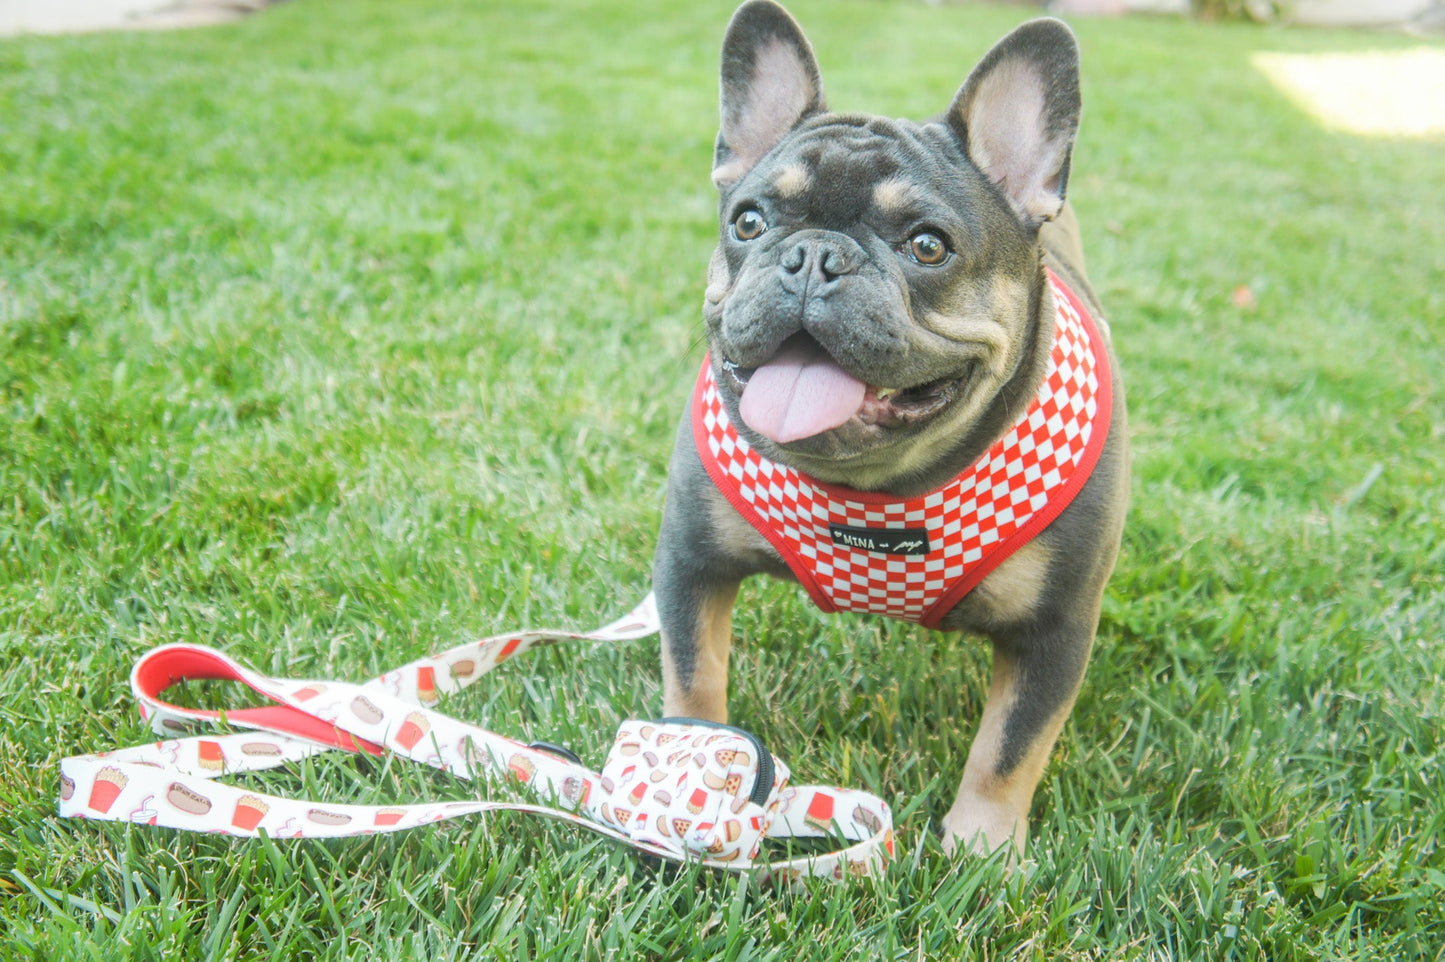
pixel 693 788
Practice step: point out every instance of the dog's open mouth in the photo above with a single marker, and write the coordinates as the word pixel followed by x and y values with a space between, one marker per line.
pixel 802 392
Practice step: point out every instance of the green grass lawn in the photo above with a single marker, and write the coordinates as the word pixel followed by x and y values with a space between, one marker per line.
pixel 360 329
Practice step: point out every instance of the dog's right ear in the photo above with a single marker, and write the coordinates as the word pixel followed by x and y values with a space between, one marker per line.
pixel 770 82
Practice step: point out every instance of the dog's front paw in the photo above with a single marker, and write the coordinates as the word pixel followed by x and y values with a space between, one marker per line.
pixel 982 827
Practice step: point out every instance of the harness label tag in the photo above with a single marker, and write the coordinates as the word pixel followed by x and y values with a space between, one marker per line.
pixel 907 541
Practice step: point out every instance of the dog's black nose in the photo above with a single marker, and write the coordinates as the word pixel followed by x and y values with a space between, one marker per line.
pixel 819 259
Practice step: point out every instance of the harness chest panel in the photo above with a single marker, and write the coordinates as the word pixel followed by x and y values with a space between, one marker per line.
pixel 914 558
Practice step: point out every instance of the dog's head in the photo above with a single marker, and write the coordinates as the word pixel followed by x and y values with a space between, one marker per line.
pixel 877 283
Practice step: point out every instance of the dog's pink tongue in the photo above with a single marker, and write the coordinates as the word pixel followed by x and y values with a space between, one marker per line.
pixel 799 393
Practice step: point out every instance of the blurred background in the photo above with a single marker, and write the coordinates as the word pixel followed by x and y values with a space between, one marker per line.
pixel 62 16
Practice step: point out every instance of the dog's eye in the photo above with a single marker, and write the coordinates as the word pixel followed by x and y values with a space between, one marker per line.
pixel 927 248
pixel 749 225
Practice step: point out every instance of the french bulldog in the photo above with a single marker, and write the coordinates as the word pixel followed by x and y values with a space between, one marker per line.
pixel 896 315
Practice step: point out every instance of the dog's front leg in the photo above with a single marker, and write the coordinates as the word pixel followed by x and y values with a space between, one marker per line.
pixel 704 551
pixel 1036 677
pixel 695 583
pixel 697 621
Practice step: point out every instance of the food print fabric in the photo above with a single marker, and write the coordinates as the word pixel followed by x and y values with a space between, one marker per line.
pixel 173 782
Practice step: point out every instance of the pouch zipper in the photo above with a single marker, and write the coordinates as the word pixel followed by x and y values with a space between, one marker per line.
pixel 763 784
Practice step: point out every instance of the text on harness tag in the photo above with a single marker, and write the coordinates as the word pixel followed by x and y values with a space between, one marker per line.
pixel 882 540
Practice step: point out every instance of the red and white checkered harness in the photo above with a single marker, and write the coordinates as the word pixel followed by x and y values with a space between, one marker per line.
pixel 972 523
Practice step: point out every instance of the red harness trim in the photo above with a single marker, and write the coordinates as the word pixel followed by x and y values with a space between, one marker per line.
pixel 974 521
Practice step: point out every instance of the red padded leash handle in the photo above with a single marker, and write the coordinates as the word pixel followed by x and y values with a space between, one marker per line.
pixel 172 665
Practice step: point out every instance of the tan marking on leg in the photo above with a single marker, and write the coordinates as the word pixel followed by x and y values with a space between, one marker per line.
pixel 1012 591
pixel 792 180
pixel 707 695
pixel 990 809
pixel 734 535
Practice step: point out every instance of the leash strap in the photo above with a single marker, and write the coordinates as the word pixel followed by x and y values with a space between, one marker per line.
pixel 681 789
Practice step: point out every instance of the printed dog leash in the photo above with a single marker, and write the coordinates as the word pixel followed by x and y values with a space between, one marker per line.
pixel 680 789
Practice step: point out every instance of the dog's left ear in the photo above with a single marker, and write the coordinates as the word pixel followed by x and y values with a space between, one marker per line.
pixel 1017 114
